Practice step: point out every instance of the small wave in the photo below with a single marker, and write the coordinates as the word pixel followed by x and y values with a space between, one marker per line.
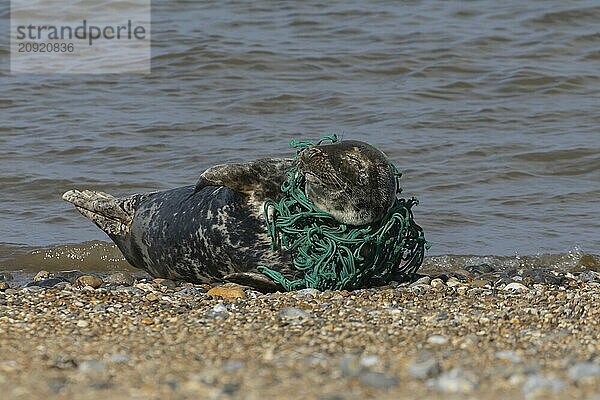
pixel 461 85
pixel 557 155
pixel 571 162
pixel 575 260
pixel 571 17
pixel 86 256
pixel 447 68
pixel 101 257
pixel 524 80
pixel 304 23
pixel 505 175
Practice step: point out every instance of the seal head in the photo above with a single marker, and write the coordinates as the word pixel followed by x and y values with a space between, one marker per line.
pixel 350 180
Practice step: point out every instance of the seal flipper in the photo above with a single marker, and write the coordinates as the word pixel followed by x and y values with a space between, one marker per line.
pixel 111 214
pixel 255 280
pixel 261 178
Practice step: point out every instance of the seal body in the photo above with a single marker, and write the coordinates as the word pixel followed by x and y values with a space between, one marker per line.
pixel 198 236
pixel 216 229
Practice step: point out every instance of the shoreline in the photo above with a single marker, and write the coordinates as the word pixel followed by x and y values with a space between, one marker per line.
pixel 446 337
pixel 104 256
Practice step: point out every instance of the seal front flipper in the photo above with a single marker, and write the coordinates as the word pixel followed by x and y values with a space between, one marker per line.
pixel 254 280
pixel 111 214
pixel 261 178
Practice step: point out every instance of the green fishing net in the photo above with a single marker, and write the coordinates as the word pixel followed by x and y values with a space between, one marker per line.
pixel 331 255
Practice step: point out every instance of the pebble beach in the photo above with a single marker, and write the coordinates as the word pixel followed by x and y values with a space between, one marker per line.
pixel 490 110
pixel 75 335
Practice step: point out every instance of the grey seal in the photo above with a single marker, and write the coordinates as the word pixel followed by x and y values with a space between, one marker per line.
pixel 215 230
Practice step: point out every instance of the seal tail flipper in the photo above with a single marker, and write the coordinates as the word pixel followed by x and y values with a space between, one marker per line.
pixel 111 214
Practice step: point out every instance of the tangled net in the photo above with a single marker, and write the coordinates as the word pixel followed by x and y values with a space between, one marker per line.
pixel 335 256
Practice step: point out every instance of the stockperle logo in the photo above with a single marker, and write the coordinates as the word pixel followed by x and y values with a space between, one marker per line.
pixel 105 36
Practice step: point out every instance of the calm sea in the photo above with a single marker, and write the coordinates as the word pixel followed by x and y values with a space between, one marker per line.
pixel 491 109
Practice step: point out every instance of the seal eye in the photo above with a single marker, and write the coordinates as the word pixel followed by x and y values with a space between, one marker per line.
pixel 357 169
pixel 354 162
pixel 362 177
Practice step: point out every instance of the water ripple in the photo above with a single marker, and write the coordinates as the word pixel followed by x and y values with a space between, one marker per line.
pixel 491 111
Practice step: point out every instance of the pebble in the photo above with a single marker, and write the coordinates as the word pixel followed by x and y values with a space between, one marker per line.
pixel 425 280
pixel 437 283
pixel 479 283
pixel 169 284
pixel 128 289
pixel 508 355
pixel 452 282
pixel 189 292
pixel 349 365
pixel 219 308
pixel 419 289
pixel 4 286
pixel 41 275
pixel 589 276
pixel 99 308
pixel 9 366
pixel 539 383
pixel 315 359
pixel 118 358
pixel 151 297
pixel 145 286
pixel 309 292
pixel 88 280
pixel 219 311
pixel 33 288
pixel 82 323
pixel 227 292
pixel 437 340
pixel 120 278
pixel 294 313
pixel 516 287
pixel 453 381
pixel 424 366
pixel 378 380
pixel 368 361
pixel 442 315
pixel 584 370
pixel 233 365
pixel 91 367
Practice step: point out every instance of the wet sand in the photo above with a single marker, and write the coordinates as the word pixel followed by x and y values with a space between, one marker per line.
pixel 448 337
